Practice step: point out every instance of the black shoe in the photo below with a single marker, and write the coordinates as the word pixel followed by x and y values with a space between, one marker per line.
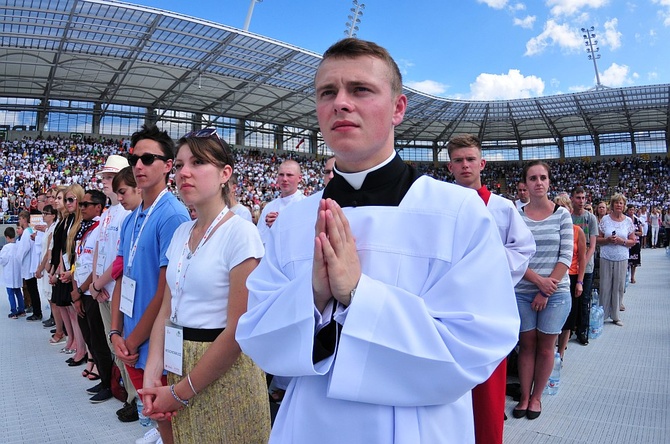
pixel 95 389
pixel 29 310
pixel 129 413
pixel 519 413
pixel 77 363
pixel 49 323
pixel 532 414
pixel 34 318
pixel 69 360
pixel 102 396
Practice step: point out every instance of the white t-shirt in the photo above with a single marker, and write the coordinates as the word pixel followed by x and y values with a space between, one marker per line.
pixel 108 240
pixel 202 301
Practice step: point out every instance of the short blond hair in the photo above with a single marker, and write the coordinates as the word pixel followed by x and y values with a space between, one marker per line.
pixel 564 201
pixel 617 197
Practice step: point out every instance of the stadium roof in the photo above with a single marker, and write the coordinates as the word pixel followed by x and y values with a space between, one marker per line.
pixel 116 53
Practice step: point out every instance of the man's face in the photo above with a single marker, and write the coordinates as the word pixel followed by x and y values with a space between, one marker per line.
pixel 522 192
pixel 357 110
pixel 466 164
pixel 150 176
pixel 288 178
pixel 328 170
pixel 106 180
pixel 88 209
pixel 578 202
pixel 41 202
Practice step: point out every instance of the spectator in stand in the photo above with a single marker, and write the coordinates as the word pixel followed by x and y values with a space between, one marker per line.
pixel 328 169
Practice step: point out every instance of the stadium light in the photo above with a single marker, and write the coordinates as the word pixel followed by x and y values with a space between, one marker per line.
pixel 354 20
pixel 592 49
pixel 247 22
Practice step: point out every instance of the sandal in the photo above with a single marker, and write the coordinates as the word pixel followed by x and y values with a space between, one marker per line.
pixel 87 371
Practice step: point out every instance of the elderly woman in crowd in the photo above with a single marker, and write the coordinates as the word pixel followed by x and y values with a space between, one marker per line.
pixel 617 235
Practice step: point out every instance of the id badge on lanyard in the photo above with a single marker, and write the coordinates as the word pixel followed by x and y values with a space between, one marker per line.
pixel 127 295
pixel 174 348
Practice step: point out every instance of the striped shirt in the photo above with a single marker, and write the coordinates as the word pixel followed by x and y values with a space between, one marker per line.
pixel 553 241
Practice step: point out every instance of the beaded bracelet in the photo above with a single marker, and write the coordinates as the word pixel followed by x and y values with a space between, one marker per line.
pixel 174 395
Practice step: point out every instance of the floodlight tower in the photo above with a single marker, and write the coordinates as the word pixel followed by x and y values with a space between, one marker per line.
pixel 592 49
pixel 247 22
pixel 354 20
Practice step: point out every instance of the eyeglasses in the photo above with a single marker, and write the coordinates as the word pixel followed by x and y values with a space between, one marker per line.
pixel 147 159
pixel 86 204
pixel 70 199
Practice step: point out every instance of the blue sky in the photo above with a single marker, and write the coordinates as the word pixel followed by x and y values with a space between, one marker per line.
pixel 475 49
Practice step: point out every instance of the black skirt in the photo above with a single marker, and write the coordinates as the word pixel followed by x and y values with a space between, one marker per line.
pixel 62 294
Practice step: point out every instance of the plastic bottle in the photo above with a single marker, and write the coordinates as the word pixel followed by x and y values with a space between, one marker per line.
pixel 144 421
pixel 555 377
pixel 595 298
pixel 593 322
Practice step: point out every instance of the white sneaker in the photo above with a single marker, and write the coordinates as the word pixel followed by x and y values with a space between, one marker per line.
pixel 160 441
pixel 151 437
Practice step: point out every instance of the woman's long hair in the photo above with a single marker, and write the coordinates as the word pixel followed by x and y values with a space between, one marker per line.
pixel 79 193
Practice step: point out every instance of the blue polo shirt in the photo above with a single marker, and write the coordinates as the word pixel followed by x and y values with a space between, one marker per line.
pixel 168 214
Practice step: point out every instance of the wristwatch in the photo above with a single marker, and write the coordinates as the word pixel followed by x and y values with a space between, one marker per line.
pixel 80 291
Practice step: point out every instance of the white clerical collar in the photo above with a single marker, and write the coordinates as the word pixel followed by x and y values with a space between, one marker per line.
pixel 356 179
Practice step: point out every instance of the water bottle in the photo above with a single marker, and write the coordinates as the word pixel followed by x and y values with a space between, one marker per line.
pixel 595 298
pixel 593 322
pixel 144 421
pixel 555 377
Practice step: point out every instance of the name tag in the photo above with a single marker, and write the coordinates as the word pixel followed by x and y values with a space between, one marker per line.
pixel 174 346
pixel 100 265
pixel 66 262
pixel 127 296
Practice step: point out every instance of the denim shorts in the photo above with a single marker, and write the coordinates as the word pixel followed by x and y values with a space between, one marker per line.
pixel 548 321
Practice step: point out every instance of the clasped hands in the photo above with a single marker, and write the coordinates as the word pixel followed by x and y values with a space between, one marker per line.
pixel 336 268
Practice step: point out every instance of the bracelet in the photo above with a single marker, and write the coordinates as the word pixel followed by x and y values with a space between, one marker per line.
pixel 75 300
pixel 93 285
pixel 188 378
pixel 174 395
pixel 112 333
pixel 544 295
pixel 580 282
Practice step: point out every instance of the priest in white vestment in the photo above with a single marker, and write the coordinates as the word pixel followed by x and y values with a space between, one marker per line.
pixel 387 297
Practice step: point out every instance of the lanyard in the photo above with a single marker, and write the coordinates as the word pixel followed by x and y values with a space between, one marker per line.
pixel 134 242
pixel 186 255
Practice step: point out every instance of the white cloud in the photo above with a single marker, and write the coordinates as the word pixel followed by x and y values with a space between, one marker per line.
pixel 572 7
pixel 429 87
pixel 618 75
pixel 563 36
pixel 652 76
pixel 555 83
pixel 664 14
pixel 526 22
pixel 579 88
pixel 512 85
pixel 517 7
pixel 404 66
pixel 495 4
pixel 611 36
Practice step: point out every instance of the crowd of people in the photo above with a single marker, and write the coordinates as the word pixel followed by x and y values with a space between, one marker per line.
pixel 198 276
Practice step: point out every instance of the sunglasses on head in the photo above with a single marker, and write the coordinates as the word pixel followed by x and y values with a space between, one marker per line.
pixel 70 199
pixel 147 159
pixel 205 133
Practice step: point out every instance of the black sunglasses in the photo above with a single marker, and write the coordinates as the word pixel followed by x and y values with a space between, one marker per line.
pixel 147 159
pixel 70 199
pixel 86 204
pixel 204 133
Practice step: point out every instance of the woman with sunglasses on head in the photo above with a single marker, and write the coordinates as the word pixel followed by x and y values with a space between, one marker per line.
pixel 209 262
pixel 63 257
pixel 543 295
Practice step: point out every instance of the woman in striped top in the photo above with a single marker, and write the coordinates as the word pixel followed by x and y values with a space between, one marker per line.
pixel 543 295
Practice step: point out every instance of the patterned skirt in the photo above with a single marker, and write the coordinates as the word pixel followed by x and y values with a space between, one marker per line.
pixel 234 409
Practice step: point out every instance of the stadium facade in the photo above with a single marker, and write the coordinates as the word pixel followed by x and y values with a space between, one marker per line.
pixel 105 68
